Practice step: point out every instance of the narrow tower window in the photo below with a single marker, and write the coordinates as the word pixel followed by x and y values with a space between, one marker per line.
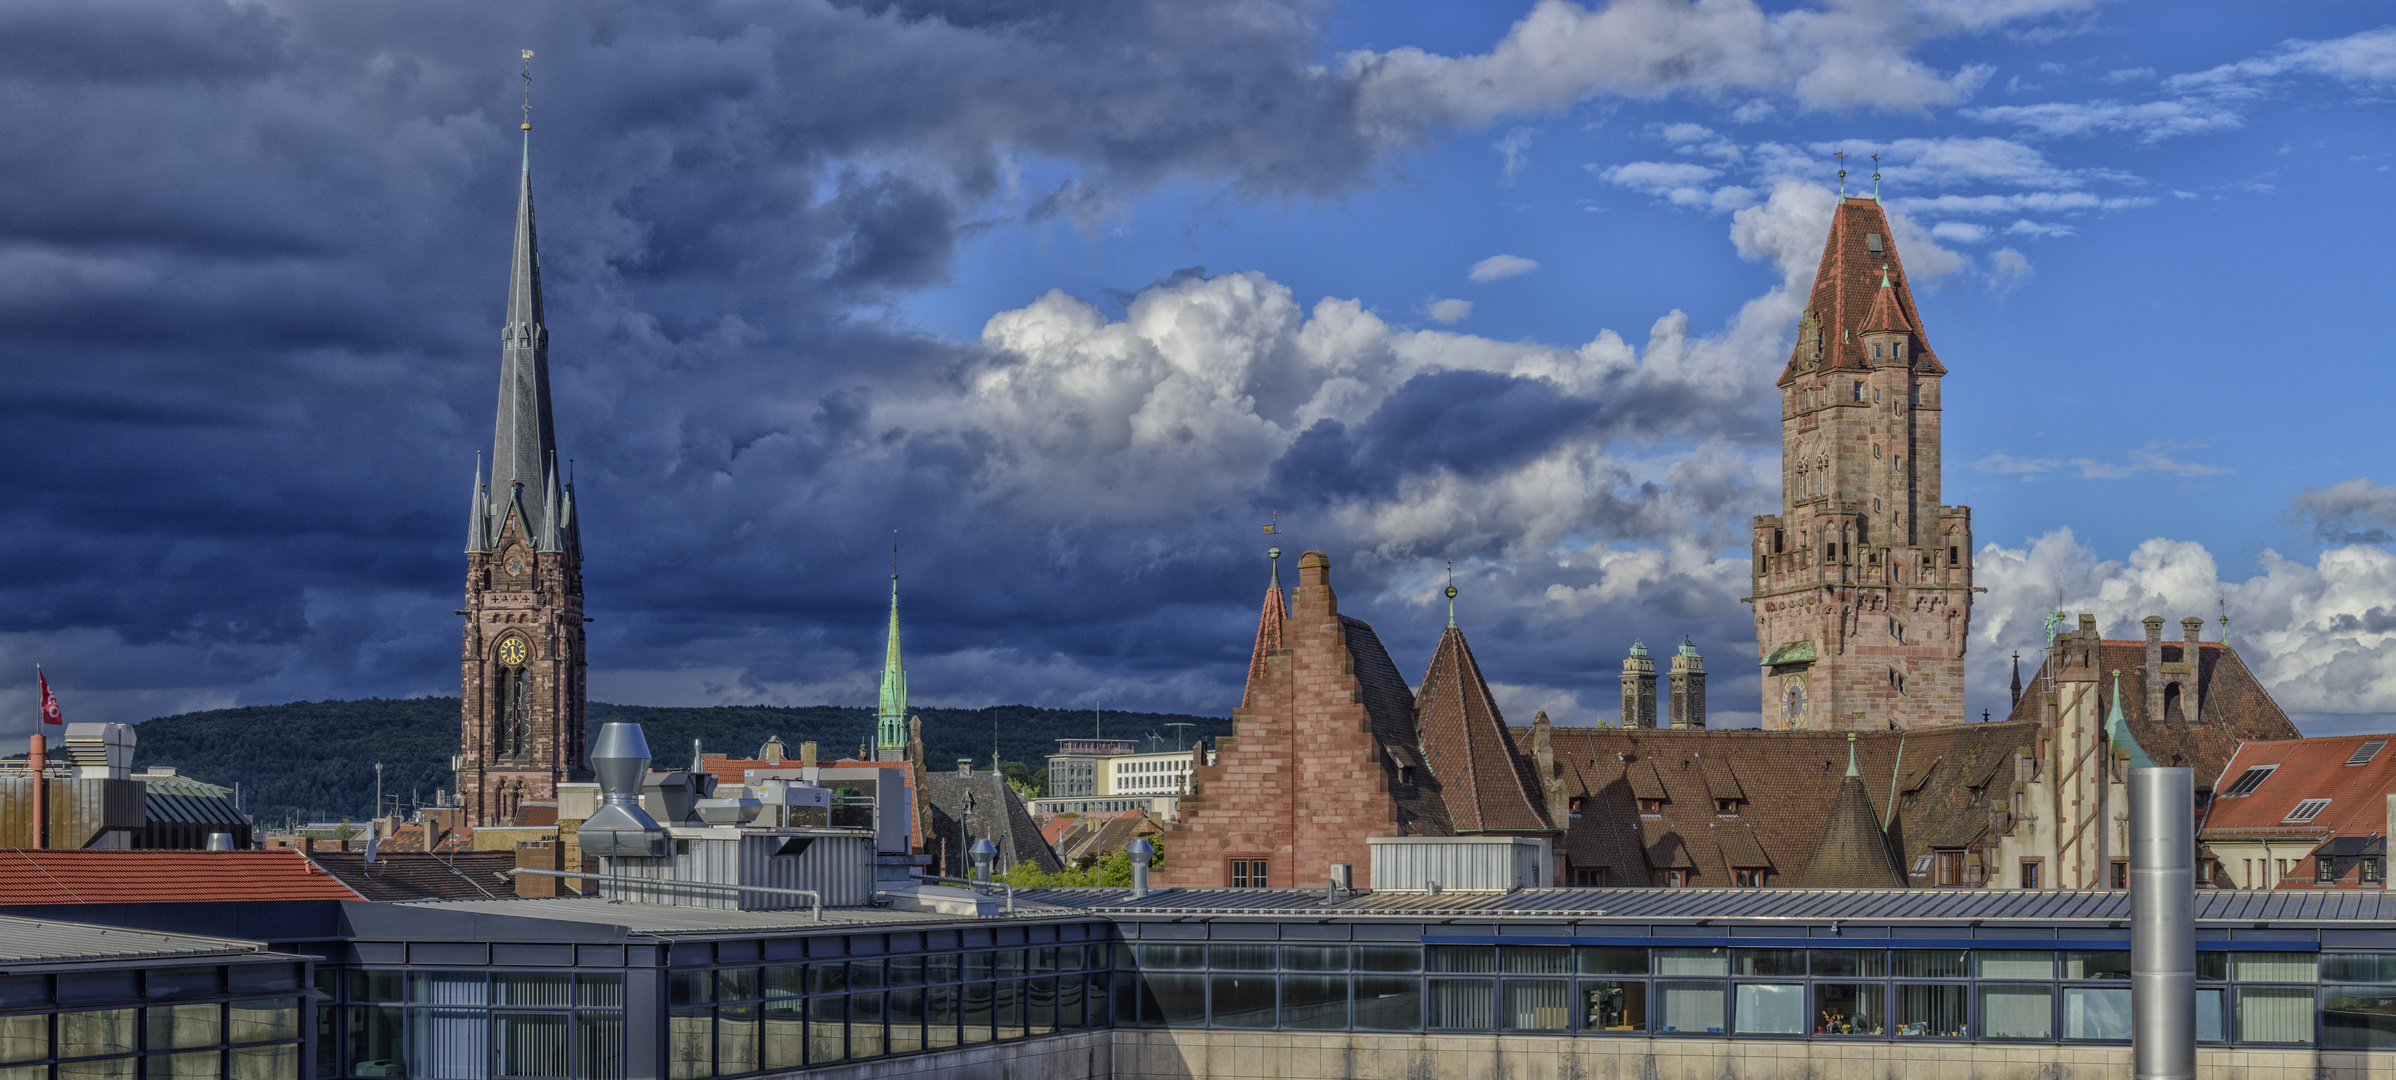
pixel 1859 391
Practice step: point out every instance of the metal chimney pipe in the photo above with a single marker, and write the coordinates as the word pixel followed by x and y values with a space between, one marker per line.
pixel 2162 924
pixel 1140 851
pixel 36 759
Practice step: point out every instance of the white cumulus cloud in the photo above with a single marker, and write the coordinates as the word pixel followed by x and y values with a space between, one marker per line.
pixel 1449 311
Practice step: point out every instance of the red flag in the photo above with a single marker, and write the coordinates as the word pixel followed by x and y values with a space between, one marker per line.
pixel 50 713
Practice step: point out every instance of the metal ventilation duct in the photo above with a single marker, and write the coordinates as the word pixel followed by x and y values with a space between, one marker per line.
pixel 620 758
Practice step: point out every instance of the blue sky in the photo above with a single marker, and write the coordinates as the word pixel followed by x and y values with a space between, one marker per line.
pixel 820 271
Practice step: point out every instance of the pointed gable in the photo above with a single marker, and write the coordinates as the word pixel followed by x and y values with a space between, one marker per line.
pixel 1887 315
pixel 1853 853
pixel 1846 291
pixel 1268 634
pixel 1487 783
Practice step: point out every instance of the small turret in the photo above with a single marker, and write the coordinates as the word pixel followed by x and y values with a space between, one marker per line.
pixel 1638 688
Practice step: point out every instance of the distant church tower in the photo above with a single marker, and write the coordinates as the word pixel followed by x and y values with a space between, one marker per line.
pixel 890 721
pixel 1688 686
pixel 1638 688
pixel 522 666
pixel 1863 582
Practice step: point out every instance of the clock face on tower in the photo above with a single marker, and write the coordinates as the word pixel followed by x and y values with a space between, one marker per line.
pixel 512 652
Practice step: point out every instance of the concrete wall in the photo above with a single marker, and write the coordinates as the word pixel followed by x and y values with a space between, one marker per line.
pixel 1281 1055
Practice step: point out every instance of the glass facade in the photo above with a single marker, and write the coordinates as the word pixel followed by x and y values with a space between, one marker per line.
pixel 183 1023
pixel 2052 994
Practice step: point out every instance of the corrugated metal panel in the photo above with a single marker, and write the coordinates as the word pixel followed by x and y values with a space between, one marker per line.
pixel 31 941
pixel 1458 863
pixel 1959 906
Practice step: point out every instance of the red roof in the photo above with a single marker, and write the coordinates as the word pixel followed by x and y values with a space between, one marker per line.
pixel 162 877
pixel 1847 284
pixel 1885 316
pixel 2304 769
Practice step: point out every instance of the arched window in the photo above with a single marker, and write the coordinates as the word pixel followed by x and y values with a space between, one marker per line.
pixel 2171 705
pixel 513 694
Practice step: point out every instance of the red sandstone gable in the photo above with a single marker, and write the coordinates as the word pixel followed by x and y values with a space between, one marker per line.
pixel 1320 757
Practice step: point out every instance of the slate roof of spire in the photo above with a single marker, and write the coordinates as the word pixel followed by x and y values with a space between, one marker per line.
pixel 1853 853
pixel 1486 780
pixel 524 438
pixel 1847 283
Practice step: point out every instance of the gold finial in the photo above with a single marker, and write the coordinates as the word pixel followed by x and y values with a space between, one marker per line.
pixel 1452 596
pixel 1273 528
pixel 528 89
pixel 1841 155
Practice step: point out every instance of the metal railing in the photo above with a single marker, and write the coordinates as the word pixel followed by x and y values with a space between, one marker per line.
pixel 815 900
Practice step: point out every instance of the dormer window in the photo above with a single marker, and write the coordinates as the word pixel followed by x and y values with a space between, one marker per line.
pixel 1651 807
pixel 1726 807
pixel 1872 241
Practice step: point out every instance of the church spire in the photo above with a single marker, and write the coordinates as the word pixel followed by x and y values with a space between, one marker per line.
pixel 890 728
pixel 478 515
pixel 524 439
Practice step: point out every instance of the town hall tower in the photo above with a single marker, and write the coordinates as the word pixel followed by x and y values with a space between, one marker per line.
pixel 1863 582
pixel 522 662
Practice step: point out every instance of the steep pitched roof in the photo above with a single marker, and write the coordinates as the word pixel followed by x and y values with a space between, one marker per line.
pixel 413 875
pixel 2232 706
pixel 998 815
pixel 1852 853
pixel 1484 777
pixel 162 877
pixel 1389 706
pixel 1887 315
pixel 2304 770
pixel 1845 286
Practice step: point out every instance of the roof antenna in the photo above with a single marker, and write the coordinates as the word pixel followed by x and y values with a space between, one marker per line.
pixel 894 554
pixel 1875 177
pixel 1452 596
pixel 1841 155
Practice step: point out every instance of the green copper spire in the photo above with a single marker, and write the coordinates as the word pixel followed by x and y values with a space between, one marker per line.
pixel 1851 770
pixel 890 729
pixel 2117 730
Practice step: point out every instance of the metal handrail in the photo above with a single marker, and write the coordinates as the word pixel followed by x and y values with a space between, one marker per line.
pixel 815 900
pixel 983 884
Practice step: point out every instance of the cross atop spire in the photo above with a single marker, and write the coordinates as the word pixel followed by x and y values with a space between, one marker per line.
pixel 890 728
pixel 524 439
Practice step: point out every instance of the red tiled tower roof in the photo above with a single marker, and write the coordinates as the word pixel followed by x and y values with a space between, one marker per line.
pixel 1268 633
pixel 1845 287
pixel 1487 781
pixel 162 877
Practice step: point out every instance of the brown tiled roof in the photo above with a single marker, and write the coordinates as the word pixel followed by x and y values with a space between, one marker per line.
pixel 1667 849
pixel 1739 847
pixel 1389 705
pixel 1789 780
pixel 1845 287
pixel 1719 782
pixel 413 875
pixel 2232 707
pixel 162 877
pixel 1485 778
pixel 1852 853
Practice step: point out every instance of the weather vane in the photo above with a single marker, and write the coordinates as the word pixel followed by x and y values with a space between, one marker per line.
pixel 1841 155
pixel 2225 622
pixel 1274 529
pixel 528 89
pixel 1875 177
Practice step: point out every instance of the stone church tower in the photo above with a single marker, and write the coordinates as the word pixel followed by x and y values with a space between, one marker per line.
pixel 1863 582
pixel 522 663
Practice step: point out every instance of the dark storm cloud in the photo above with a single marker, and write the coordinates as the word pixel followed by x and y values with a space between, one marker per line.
pixel 251 259
pixel 1473 423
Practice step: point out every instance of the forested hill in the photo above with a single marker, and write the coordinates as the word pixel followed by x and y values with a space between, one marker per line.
pixel 314 760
